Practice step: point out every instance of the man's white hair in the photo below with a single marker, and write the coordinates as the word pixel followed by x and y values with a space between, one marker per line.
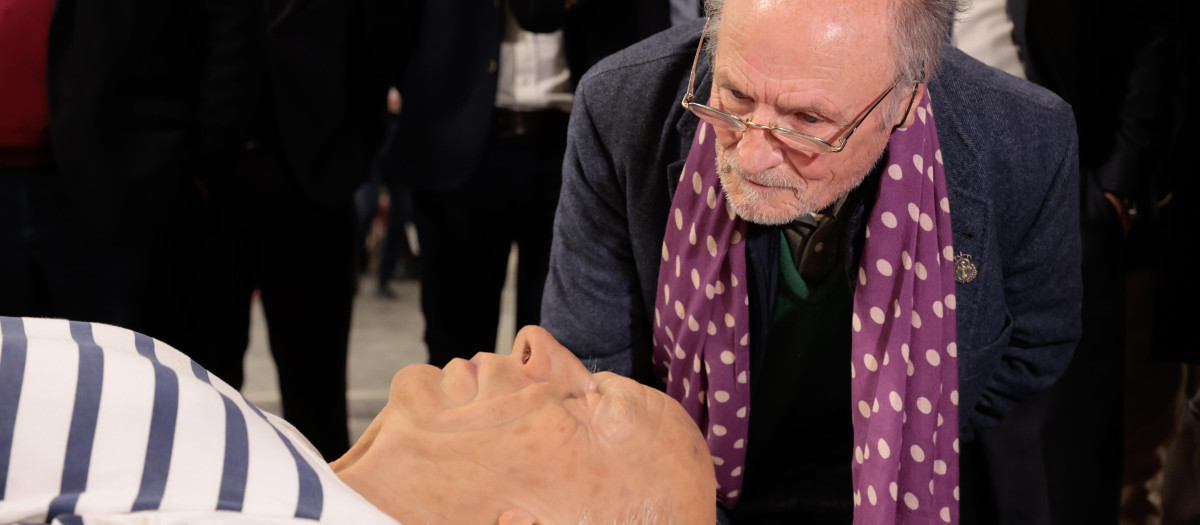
pixel 918 30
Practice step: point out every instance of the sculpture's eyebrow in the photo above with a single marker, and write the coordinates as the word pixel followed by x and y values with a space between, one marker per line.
pixel 616 416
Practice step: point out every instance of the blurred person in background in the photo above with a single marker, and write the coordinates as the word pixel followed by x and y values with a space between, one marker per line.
pixel 283 221
pixel 1173 340
pixel 394 252
pixel 487 91
pixel 1071 448
pixel 113 116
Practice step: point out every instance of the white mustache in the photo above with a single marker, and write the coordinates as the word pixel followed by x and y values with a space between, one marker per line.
pixel 770 178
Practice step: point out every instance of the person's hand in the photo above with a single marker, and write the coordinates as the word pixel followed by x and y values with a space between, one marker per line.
pixel 1126 211
pixel 394 101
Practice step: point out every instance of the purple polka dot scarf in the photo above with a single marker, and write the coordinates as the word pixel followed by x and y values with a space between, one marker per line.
pixel 903 369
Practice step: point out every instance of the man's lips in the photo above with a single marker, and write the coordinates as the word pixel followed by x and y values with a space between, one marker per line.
pixel 769 181
pixel 763 184
pixel 753 182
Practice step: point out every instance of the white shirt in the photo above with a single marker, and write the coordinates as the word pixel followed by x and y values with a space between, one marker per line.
pixel 985 33
pixel 533 70
pixel 103 426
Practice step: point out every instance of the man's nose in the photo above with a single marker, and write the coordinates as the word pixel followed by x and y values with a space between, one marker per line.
pixel 759 150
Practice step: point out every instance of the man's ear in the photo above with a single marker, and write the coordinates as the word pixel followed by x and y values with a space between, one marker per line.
pixel 516 516
pixel 912 111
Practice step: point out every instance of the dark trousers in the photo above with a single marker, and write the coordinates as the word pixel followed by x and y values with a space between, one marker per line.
pixel 53 264
pixel 1002 476
pixel 1057 457
pixel 267 235
pixel 50 264
pixel 1084 423
pixel 465 237
pixel 395 242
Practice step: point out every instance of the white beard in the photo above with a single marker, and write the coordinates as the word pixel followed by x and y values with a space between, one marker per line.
pixel 752 203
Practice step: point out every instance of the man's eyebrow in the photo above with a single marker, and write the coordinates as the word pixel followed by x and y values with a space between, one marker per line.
pixel 723 78
pixel 818 110
pixel 727 83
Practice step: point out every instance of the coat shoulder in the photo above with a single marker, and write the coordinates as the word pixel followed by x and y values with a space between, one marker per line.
pixel 670 45
pixel 999 103
pixel 625 83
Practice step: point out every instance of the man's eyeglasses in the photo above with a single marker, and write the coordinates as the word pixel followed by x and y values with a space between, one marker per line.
pixel 789 137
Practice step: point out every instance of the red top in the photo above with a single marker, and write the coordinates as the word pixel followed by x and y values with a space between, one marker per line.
pixel 24 107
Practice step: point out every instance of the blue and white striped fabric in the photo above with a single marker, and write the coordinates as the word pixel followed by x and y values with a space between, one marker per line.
pixel 101 425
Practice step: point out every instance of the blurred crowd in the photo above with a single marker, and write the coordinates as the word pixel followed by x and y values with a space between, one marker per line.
pixel 162 162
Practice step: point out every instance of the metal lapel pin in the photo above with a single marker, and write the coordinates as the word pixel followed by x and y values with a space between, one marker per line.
pixel 964 270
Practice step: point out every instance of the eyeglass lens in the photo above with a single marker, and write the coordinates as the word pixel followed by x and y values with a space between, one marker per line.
pixel 721 120
pixel 716 118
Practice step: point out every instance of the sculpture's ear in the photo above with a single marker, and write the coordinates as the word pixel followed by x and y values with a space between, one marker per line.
pixel 517 516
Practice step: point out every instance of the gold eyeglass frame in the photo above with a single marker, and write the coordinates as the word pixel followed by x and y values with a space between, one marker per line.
pixel 787 136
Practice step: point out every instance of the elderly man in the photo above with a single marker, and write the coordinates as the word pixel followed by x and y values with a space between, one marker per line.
pixel 835 189
pixel 102 425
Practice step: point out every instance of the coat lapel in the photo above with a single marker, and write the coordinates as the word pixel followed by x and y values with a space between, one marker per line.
pixel 970 208
pixel 685 124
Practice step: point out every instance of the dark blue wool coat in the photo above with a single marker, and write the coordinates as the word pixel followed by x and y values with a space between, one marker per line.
pixel 1012 174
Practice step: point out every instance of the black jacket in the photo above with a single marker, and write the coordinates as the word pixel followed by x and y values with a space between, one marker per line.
pixel 143 95
pixel 1119 66
pixel 593 29
pixel 149 100
pixel 322 71
pixel 449 74
pixel 1123 67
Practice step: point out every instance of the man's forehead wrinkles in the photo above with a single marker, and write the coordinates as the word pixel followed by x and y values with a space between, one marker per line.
pixel 791 77
pixel 811 65
pixel 792 94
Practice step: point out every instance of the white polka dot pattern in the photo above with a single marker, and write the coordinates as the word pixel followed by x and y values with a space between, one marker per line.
pixel 711 318
pixel 904 301
pixel 907 277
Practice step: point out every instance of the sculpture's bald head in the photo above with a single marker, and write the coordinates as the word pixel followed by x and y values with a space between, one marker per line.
pixel 530 437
